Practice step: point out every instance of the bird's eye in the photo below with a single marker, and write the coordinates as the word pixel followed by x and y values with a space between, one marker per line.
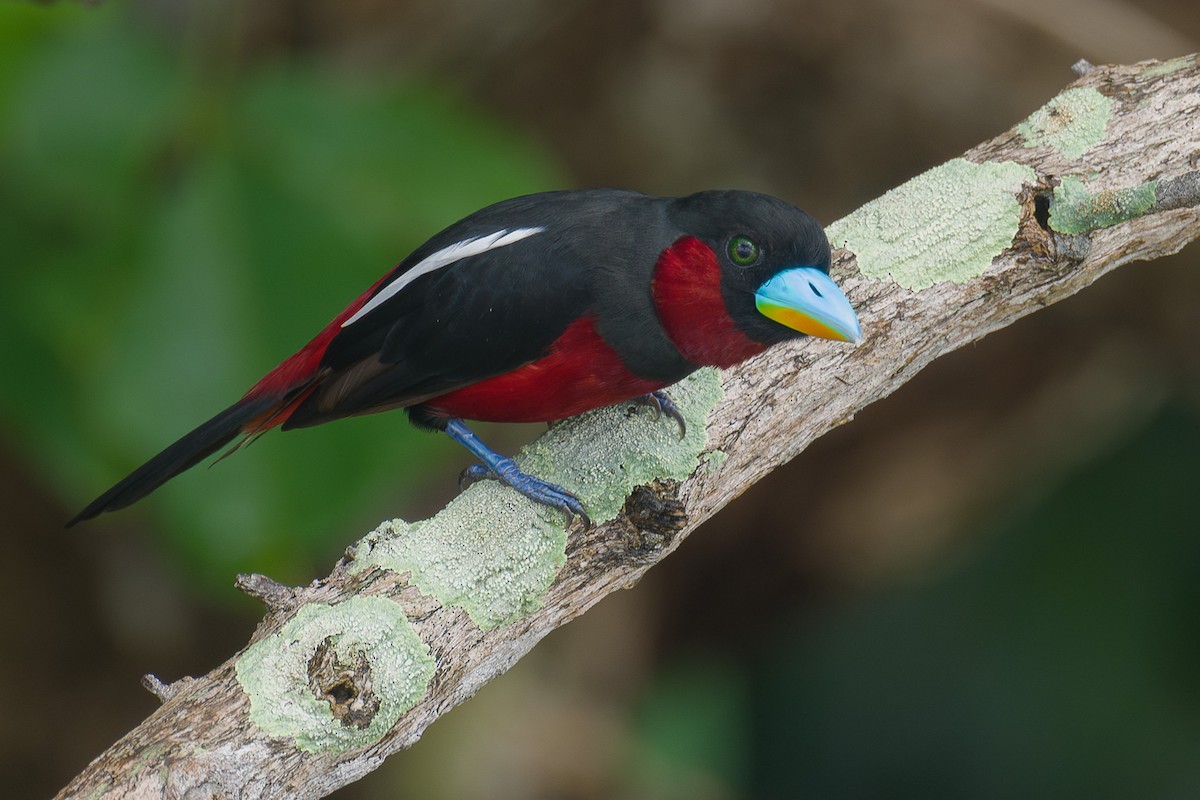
pixel 743 251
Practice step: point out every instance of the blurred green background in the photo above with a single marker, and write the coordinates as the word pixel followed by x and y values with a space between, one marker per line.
pixel 989 587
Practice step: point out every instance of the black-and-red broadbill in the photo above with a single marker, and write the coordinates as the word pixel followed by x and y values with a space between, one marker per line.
pixel 538 308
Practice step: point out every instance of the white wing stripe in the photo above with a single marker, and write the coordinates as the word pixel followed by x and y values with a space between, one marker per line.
pixel 443 258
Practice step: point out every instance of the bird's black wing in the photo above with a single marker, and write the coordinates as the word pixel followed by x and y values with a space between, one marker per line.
pixel 481 315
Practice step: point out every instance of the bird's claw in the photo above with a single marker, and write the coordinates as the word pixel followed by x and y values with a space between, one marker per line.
pixel 473 474
pixel 662 403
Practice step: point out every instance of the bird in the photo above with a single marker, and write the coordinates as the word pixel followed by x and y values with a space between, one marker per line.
pixel 538 308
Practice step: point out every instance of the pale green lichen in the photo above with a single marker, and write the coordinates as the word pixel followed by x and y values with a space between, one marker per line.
pixel 713 459
pixel 274 672
pixel 150 757
pixel 494 553
pixel 1072 123
pixel 1169 67
pixel 946 224
pixel 1078 210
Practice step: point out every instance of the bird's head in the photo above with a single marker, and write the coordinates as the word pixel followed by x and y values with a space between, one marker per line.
pixel 774 265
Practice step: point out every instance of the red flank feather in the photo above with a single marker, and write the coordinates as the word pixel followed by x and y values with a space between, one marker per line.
pixel 581 373
pixel 302 366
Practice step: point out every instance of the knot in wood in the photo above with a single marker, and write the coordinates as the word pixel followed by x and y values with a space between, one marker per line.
pixel 656 515
pixel 345 686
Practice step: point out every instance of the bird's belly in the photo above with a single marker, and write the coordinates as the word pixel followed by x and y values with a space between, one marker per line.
pixel 580 373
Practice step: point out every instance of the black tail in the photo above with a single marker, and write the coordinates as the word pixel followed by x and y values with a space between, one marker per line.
pixel 191 449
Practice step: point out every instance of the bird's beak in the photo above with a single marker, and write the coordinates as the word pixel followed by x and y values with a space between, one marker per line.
pixel 805 299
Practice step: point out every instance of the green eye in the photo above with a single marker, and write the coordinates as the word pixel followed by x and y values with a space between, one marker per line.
pixel 743 251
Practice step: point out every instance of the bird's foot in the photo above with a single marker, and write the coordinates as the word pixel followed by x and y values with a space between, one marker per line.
pixel 505 470
pixel 536 489
pixel 662 403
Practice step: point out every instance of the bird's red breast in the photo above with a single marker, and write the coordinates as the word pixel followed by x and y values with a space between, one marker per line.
pixel 581 372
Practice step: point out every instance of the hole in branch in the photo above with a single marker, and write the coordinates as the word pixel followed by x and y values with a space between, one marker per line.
pixel 344 681
pixel 1041 210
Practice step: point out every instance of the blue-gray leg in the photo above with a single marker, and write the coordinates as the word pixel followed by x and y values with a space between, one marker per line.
pixel 505 470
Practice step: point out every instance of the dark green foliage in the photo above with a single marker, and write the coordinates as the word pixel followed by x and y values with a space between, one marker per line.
pixel 172 228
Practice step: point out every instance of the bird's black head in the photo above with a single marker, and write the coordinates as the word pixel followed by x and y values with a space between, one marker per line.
pixel 774 261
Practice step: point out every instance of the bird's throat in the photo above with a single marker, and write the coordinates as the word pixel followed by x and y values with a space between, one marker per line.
pixel 691 308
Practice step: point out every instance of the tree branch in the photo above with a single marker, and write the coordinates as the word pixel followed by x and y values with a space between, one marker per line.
pixel 418 617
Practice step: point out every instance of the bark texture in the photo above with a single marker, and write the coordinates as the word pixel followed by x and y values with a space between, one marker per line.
pixel 1138 196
